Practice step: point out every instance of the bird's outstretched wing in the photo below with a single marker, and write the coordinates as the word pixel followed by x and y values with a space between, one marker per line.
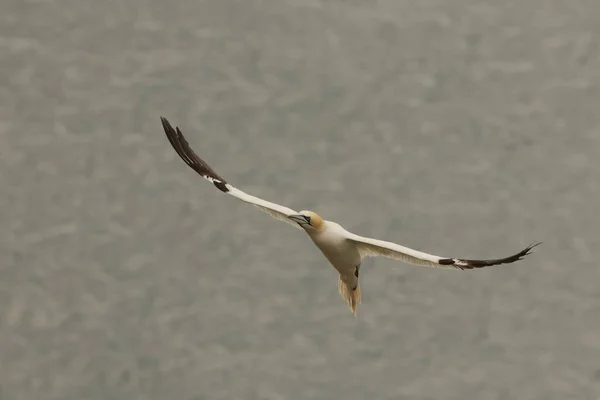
pixel 368 247
pixel 188 155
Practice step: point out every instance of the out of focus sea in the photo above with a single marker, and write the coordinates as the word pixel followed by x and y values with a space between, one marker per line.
pixel 462 128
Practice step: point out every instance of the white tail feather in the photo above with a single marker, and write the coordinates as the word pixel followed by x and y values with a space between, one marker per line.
pixel 352 297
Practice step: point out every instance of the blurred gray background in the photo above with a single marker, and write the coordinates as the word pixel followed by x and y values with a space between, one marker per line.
pixel 463 128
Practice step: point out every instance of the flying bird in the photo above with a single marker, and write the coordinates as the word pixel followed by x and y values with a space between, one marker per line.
pixel 344 250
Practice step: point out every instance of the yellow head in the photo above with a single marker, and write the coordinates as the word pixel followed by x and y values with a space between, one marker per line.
pixel 308 219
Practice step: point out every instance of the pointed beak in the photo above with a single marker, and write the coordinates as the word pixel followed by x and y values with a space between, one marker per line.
pixel 300 219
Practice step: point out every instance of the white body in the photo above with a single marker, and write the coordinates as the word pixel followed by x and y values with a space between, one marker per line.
pixel 342 253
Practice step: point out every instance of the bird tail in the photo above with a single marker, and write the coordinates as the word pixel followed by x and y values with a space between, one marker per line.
pixel 352 296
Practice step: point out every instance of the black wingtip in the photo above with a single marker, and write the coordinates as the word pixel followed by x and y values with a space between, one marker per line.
pixel 527 250
pixel 221 186
pixel 168 127
pixel 446 261
pixel 183 149
pixel 471 264
pixel 169 131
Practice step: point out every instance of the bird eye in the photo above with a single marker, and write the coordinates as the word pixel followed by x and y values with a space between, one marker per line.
pixel 307 218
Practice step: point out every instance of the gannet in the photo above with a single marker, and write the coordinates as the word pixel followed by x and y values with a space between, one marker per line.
pixel 344 250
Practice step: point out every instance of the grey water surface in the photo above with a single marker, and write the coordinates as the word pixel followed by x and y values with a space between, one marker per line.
pixel 463 128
